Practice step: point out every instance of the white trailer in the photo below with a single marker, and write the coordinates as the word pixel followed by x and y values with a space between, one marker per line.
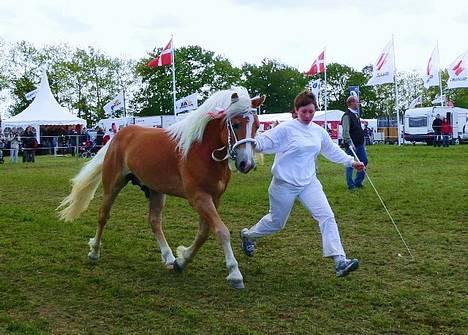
pixel 418 123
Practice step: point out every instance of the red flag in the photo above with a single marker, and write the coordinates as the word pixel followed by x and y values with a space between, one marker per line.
pixel 318 66
pixel 164 59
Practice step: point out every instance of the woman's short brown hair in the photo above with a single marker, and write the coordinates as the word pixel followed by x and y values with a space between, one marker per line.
pixel 305 98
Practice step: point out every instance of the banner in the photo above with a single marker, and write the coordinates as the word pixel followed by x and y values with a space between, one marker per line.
pixel 431 76
pixel 458 72
pixel 383 70
pixel 354 91
pixel 164 59
pixel 115 104
pixel 318 66
pixel 187 104
pixel 315 88
pixel 416 101
pixel 31 95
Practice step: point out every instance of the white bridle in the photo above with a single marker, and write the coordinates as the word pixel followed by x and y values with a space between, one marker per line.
pixel 231 151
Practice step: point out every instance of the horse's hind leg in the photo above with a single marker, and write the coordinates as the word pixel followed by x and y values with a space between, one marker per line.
pixel 110 193
pixel 184 254
pixel 156 204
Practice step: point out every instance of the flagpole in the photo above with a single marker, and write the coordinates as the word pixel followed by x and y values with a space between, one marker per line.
pixel 439 74
pixel 325 77
pixel 396 92
pixel 173 75
pixel 125 107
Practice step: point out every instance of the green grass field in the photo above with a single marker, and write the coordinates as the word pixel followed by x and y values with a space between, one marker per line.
pixel 47 285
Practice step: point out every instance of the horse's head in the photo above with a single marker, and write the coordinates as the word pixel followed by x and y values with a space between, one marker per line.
pixel 241 129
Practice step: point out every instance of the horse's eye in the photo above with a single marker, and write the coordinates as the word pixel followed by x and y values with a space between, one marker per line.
pixel 236 126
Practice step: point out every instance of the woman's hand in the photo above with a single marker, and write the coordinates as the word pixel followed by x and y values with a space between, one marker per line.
pixel 359 166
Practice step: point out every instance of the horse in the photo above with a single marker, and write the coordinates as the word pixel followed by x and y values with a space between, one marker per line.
pixel 189 159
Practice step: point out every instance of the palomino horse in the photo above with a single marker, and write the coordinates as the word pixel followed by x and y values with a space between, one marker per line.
pixel 188 160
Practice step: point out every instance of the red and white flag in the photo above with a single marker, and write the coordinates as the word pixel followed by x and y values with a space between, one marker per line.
pixel 383 69
pixel 458 72
pixel 318 66
pixel 164 59
pixel 431 75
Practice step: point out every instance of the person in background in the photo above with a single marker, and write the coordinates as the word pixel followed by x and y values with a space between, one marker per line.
pixel 353 136
pixel 2 145
pixel 436 126
pixel 15 141
pixel 29 144
pixel 99 137
pixel 367 134
pixel 296 144
pixel 446 131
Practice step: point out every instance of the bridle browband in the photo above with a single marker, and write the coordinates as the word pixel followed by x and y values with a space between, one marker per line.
pixel 231 150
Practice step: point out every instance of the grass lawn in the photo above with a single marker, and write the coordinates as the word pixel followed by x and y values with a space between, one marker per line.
pixel 47 285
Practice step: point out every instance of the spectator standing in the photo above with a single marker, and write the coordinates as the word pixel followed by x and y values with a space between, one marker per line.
pixel 436 126
pixel 29 144
pixel 353 136
pixel 15 141
pixel 446 131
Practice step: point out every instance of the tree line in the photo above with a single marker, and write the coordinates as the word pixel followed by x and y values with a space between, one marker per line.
pixel 84 80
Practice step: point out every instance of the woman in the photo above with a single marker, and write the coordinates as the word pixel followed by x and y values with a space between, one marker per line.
pixel 297 144
pixel 446 130
pixel 15 141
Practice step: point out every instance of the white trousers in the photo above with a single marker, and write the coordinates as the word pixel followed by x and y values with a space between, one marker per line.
pixel 282 196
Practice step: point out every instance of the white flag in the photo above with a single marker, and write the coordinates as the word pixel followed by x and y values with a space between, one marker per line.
pixel 458 72
pixel 431 76
pixel 439 100
pixel 383 70
pixel 187 103
pixel 315 88
pixel 416 101
pixel 115 104
pixel 31 95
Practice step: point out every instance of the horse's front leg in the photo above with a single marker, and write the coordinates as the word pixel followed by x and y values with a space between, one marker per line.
pixel 206 208
pixel 156 204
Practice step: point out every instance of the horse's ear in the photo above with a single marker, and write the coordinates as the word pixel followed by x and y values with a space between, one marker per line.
pixel 234 97
pixel 257 101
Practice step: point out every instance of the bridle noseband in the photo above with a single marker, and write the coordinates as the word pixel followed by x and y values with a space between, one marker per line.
pixel 231 150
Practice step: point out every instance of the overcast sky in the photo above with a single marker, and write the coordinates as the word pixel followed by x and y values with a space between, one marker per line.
pixel 292 31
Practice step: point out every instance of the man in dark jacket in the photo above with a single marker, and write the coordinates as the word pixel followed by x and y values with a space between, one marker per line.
pixel 353 135
pixel 437 127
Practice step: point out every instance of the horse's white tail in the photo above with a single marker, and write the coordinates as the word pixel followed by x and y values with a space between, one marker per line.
pixel 84 186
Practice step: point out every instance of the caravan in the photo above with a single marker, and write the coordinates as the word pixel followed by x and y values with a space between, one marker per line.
pixel 418 123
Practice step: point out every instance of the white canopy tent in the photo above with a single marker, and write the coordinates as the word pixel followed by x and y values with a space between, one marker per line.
pixel 43 111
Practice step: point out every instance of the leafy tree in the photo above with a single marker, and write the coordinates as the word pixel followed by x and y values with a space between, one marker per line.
pixel 279 82
pixel 197 70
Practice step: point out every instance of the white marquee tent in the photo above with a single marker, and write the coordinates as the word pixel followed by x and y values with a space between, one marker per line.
pixel 43 111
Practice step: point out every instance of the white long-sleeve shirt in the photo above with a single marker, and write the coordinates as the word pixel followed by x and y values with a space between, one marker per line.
pixel 297 146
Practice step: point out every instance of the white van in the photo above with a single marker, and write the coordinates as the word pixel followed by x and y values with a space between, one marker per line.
pixel 418 123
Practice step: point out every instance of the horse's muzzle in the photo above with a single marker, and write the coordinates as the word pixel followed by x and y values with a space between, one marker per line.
pixel 245 166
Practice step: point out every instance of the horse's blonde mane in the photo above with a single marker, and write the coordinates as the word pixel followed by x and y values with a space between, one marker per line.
pixel 191 129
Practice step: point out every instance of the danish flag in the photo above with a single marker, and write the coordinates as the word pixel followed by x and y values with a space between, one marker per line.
pixel 318 66
pixel 164 59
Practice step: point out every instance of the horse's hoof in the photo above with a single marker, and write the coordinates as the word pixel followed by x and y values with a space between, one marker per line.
pixel 237 284
pixel 169 266
pixel 177 268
